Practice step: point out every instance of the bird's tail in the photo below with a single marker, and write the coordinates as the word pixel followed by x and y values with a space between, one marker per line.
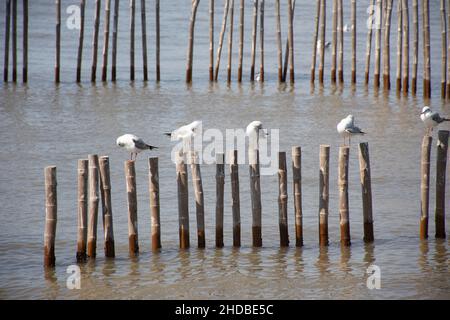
pixel 151 147
pixel 169 134
pixel 446 119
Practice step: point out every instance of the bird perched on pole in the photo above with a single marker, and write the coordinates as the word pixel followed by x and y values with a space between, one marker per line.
pixel 133 144
pixel 346 128
pixel 431 119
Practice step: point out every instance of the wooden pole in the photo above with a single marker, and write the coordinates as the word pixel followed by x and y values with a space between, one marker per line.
pixel 158 50
pixel 106 40
pixel 314 46
pixel 297 188
pixel 366 188
pixel 190 51
pixel 235 201
pixel 153 179
pixel 378 23
pixel 144 39
pixel 130 175
pixel 230 42
pixel 353 19
pixel 426 49
pixel 387 47
pixel 340 66
pixel 261 40
pixel 334 41
pixel 7 33
pixel 415 46
pixel 80 40
pixel 255 26
pixel 291 40
pixel 444 50
pixel 425 186
pixel 220 182
pixel 93 205
pixel 405 54
pixel 283 200
pixel 323 5
pixel 199 198
pixel 399 45
pixel 51 210
pixel 183 201
pixel 107 208
pixel 369 42
pixel 211 40
pixel 132 31
pixel 95 40
pixel 82 209
pixel 286 53
pixel 255 193
pixel 25 42
pixel 221 36
pixel 279 45
pixel 441 167
pixel 114 41
pixel 324 181
pixel 448 52
pixel 344 218
pixel 58 40
pixel 241 40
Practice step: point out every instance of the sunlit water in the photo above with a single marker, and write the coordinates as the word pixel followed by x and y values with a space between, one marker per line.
pixel 43 124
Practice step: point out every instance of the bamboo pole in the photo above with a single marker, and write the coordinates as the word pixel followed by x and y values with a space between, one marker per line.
pixel 282 200
pixel 82 209
pixel 235 201
pixel 297 188
pixel 230 41
pixel 80 40
pixel 366 188
pixel 334 41
pixel 279 46
pixel 441 167
pixel 190 51
pixel 255 26
pixel 340 66
pixel 322 39
pixel 58 40
pixel 95 40
pixel 25 42
pixel 199 199
pixel 220 182
pixel 106 40
pixel 241 40
pixel 387 47
pixel 51 210
pixel 144 39
pixel 286 54
pixel 153 179
pixel 425 186
pixel 114 41
pixel 93 205
pixel 132 32
pixel 324 178
pixel 369 42
pixel 415 46
pixel 378 23
pixel 221 36
pixel 7 33
pixel 315 37
pixel 405 54
pixel 291 40
pixel 344 218
pixel 107 208
pixel 211 40
pixel 353 19
pixel 130 176
pixel 426 49
pixel 444 50
pixel 261 40
pixel 255 193
pixel 448 52
pixel 183 201
pixel 158 50
pixel 399 45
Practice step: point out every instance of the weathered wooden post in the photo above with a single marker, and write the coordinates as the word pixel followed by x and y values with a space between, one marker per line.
pixel 279 46
pixel 144 39
pixel 415 57
pixel 261 41
pixel 441 167
pixel 58 40
pixel 93 205
pixel 255 193
pixel 230 41
pixel 132 31
pixel 291 41
pixel 190 51
pixel 183 200
pixel 405 54
pixel 282 200
pixel 114 41
pixel 443 50
pixel 369 42
pixel 220 182
pixel 254 28
pixel 235 201
pixel 51 210
pixel 130 176
pixel 426 49
pixel 221 36
pixel 211 40
pixel 7 33
pixel 158 64
pixel 199 198
pixel 95 40
pixel 399 44
pixel 340 66
pixel 80 40
pixel 297 190
pixel 107 208
pixel 241 40
pixel 353 19
pixel 82 210
pixel 153 178
pixel 425 185
pixel 315 38
pixel 106 40
pixel 378 21
pixel 344 217
pixel 286 54
pixel 334 41
pixel 366 188
pixel 25 42
pixel 323 6
pixel 324 179
pixel 387 47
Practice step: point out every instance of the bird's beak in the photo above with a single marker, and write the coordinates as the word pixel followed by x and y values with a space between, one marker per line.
pixel 422 112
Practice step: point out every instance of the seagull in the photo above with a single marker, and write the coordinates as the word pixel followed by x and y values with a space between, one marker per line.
pixel 347 28
pixel 431 119
pixel 184 132
pixel 253 130
pixel 347 128
pixel 133 144
pixel 326 44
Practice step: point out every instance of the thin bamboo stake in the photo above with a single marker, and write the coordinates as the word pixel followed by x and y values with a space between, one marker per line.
pixel 441 165
pixel 51 211
pixel 235 201
pixel 353 19
pixel 58 41
pixel 297 190
pixel 183 201
pixel 425 186
pixel 132 32
pixel 279 46
pixel 114 41
pixel 334 41
pixel 261 41
pixel 130 176
pixel 230 41
pixel 241 40
pixel 25 42
pixel 323 5
pixel 324 181
pixel 286 53
pixel 444 50
pixel 369 41
pixel 211 40
pixel 282 200
pixel 405 54
pixel 387 47
pixel 106 40
pixel 340 66
pixel 378 23
pixel 95 40
pixel 158 50
pixel 366 188
pixel 82 209
pixel 80 40
pixel 255 26
pixel 426 49
pixel 199 198
pixel 221 36
pixel 144 39
pixel 415 46
pixel 291 40
pixel 190 51
pixel 344 219
pixel 7 33
pixel 399 45
pixel 107 208
pixel 153 179
pixel 255 193
pixel 314 46
pixel 93 205
pixel 220 182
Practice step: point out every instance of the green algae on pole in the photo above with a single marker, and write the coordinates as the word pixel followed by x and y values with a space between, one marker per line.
pixel 51 210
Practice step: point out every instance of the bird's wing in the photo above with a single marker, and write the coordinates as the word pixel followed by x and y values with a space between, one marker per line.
pixel 354 130
pixel 436 117
pixel 140 144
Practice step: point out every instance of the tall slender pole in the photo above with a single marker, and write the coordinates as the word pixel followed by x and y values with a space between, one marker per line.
pixel 340 66
pixel 144 39
pixel 82 210
pixel 7 34
pixel 190 50
pixel 444 50
pixel 51 211
pixel 399 45
pixel 405 54
pixel 324 179
pixel 93 205
pixel 255 193
pixel 130 176
pixel 353 18
pixel 387 47
pixel 183 200
pixel 95 40
pixel 114 41
pixel 235 200
pixel 322 39
pixel 241 40
pixel 344 219
pixel 221 36
pixel 107 209
pixel 261 40
pixel 287 53
pixel 25 42
pixel 441 165
pixel 426 49
pixel 153 179
pixel 297 188
pixel 314 46
pixel 291 40
pixel 158 67
pixel 254 28
pixel 425 185
pixel 80 40
pixel 334 41
pixel 132 31
pixel 279 46
pixel 230 41
pixel 415 54
pixel 366 188
pixel 106 39
pixel 58 40
pixel 220 182
pixel 282 200
pixel 211 40
pixel 378 23
pixel 199 199
pixel 369 41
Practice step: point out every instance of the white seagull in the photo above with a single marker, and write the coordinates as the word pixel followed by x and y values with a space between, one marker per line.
pixel 133 144
pixel 346 128
pixel 327 44
pixel 184 132
pixel 253 130
pixel 431 119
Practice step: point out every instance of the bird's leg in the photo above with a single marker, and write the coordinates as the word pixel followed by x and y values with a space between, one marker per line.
pixel 131 156
pixel 349 141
